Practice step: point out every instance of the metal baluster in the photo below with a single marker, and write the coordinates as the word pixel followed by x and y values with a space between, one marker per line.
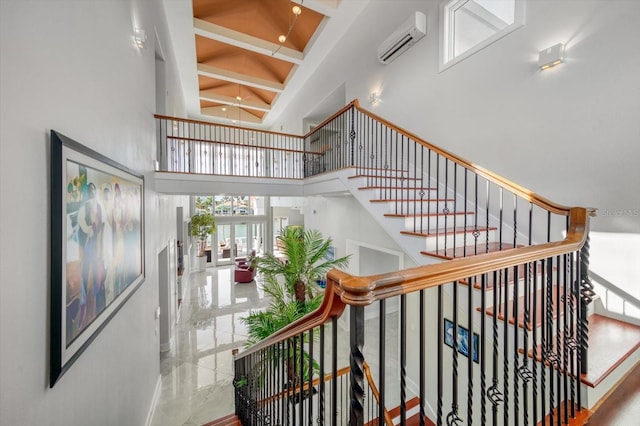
pixel 382 359
pixel 483 346
pixel 440 326
pixel 505 349
pixel 403 359
pixel 493 393
pixel 321 384
pixel 334 370
pixel 423 355
pixel 471 349
pixel 452 417
pixel 356 359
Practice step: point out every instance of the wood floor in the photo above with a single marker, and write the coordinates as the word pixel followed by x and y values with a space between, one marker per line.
pixel 622 406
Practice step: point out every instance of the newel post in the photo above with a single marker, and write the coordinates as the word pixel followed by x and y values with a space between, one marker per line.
pixel 356 362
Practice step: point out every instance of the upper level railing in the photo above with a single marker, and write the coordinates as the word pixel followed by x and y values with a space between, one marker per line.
pixel 200 147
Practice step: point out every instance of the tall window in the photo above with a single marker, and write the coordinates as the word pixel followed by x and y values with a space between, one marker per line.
pixel 468 26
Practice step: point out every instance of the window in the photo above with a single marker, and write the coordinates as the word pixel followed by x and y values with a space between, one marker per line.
pixel 468 26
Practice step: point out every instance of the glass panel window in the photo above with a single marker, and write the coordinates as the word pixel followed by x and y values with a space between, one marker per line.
pixel 468 26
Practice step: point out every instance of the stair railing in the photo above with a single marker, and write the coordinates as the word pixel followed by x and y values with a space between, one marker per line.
pixel 520 369
pixel 200 147
pixel 466 208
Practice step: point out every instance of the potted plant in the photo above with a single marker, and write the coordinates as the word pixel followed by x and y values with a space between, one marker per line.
pixel 202 225
pixel 291 285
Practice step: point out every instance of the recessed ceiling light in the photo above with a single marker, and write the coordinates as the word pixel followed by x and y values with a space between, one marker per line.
pixel 282 38
pixel 238 98
pixel 224 109
pixel 296 10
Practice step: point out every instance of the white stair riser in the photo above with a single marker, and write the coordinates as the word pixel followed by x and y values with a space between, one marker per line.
pixel 416 223
pixel 441 241
pixel 418 207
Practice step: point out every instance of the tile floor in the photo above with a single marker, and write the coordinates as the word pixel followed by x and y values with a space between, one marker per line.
pixel 197 373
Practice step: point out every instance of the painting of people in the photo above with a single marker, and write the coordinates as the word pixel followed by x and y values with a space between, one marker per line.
pixel 97 247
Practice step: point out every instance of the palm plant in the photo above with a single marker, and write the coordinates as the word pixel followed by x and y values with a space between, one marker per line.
pixel 307 260
pixel 293 294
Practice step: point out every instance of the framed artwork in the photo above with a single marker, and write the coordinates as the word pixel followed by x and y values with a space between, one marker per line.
pixel 97 246
pixel 463 340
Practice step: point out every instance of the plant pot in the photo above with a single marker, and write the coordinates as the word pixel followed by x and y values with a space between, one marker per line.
pixel 201 263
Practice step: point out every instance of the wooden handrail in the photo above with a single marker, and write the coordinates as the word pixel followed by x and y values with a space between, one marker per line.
pixel 362 291
pixel 376 394
pixel 345 289
pixel 480 171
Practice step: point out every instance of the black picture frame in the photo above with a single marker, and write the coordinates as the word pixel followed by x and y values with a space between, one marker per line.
pixel 97 246
pixel 463 340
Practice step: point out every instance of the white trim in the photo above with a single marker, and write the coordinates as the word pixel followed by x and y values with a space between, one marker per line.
pixel 154 401
pixel 447 30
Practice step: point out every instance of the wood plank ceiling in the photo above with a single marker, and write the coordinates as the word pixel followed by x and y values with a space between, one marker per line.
pixel 242 66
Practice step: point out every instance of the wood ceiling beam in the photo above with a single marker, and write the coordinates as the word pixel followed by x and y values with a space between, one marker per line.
pixel 211 96
pixel 236 77
pixel 244 41
pixel 233 113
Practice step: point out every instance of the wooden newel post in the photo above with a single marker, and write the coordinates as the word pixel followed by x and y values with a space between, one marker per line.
pixel 356 362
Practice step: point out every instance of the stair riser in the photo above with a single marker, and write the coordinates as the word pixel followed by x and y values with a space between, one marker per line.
pixel 451 240
pixel 417 207
pixel 424 223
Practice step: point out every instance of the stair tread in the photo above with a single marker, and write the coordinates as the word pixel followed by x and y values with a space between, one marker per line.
pixel 229 419
pixel 447 231
pixel 470 250
pixel 477 280
pixel 537 314
pixel 610 342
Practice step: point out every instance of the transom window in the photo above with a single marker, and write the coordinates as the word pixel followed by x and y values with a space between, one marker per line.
pixel 468 26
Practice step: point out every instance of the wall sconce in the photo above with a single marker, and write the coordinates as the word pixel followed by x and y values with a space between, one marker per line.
pixel 374 98
pixel 551 56
pixel 139 38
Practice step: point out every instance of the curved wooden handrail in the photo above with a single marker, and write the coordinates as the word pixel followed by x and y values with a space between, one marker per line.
pixel 331 306
pixel 376 394
pixel 487 174
pixel 362 291
pixel 345 289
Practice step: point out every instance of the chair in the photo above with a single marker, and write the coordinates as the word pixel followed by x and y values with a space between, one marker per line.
pixel 244 272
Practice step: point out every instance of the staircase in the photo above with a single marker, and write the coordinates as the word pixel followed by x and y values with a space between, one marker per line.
pixel 504 279
pixel 614 345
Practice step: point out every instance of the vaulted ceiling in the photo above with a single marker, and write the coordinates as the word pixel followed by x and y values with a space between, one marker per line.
pixel 242 59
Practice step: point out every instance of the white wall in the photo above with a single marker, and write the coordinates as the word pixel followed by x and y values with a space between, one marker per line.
pixel 70 66
pixel 570 134
pixel 342 218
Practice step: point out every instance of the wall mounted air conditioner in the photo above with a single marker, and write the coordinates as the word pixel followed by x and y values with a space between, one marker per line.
pixel 412 30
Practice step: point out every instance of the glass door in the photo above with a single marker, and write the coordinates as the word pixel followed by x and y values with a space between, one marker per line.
pixel 241 238
pixel 224 242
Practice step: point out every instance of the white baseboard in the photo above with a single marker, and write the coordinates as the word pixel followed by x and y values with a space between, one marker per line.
pixel 154 401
